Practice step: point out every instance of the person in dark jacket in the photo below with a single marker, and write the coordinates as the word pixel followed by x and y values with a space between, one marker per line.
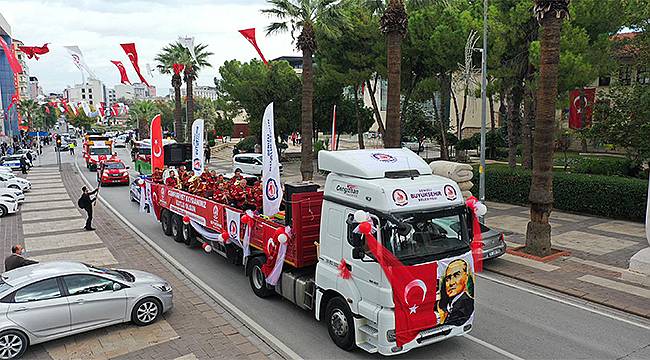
pixel 86 202
pixel 23 165
pixel 16 259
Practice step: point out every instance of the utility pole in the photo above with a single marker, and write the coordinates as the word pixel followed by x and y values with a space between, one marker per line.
pixel 481 188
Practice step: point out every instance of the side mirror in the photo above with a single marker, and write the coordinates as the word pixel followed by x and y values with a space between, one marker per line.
pixel 117 286
pixel 354 239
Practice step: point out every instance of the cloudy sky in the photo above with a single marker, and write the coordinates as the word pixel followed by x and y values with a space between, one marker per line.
pixel 99 26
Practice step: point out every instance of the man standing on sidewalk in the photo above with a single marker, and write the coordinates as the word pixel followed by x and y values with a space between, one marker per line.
pixel 16 259
pixel 86 203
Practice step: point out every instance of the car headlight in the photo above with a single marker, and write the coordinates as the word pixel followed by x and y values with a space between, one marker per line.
pixel 164 287
pixel 391 335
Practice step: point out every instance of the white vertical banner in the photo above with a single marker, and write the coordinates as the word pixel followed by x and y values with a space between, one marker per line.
pixel 270 165
pixel 197 147
pixel 86 107
pixel 188 43
pixel 233 219
pixel 79 61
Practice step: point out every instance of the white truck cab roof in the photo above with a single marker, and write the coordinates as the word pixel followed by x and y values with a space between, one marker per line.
pixel 386 180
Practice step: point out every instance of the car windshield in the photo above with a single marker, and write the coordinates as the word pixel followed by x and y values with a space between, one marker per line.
pixel 144 151
pixel 426 236
pixel 14 157
pixel 120 274
pixel 114 165
pixel 100 151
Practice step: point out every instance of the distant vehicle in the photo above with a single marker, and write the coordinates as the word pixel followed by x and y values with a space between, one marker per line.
pixel 249 164
pixel 120 141
pixel 25 151
pixel 51 300
pixel 13 161
pixel 113 172
pixel 412 144
pixel 494 244
pixel 13 182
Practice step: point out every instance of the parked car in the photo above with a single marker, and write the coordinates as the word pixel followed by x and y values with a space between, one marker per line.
pixel 13 182
pixel 412 144
pixel 120 141
pixel 494 244
pixel 50 300
pixel 13 161
pixel 249 164
pixel 12 194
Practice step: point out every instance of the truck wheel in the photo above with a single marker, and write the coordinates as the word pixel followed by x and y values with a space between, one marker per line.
pixel 177 228
pixel 257 279
pixel 189 236
pixel 340 324
pixel 166 222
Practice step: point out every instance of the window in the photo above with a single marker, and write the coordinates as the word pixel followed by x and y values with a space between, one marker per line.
pixel 86 284
pixel 83 96
pixel 83 91
pixel 90 96
pixel 604 80
pixel 625 75
pixel 642 75
pixel 90 91
pixel 42 290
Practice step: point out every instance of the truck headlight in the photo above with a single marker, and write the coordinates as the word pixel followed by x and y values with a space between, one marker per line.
pixel 390 335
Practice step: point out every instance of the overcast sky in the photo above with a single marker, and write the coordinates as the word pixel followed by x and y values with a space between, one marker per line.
pixel 99 26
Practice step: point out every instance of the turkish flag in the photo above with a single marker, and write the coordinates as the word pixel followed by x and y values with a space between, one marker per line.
pixel 124 79
pixel 178 68
pixel 116 109
pixel 249 34
pixel 581 108
pixel 157 151
pixel 130 51
pixel 34 51
pixel 11 57
pixel 414 291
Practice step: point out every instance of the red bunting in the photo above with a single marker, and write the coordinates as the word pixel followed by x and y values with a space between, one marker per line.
pixel 124 79
pixel 178 68
pixel 477 242
pixel 130 51
pixel 249 34
pixel 34 51
pixel 11 57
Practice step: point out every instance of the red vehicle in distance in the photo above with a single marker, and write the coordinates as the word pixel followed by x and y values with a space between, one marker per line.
pixel 113 172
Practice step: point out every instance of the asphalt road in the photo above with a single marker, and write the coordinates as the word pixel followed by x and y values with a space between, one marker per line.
pixel 513 320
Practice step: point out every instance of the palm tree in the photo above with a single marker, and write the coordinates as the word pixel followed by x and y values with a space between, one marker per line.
pixel 30 109
pixel 304 17
pixel 550 14
pixel 141 114
pixel 170 55
pixel 192 68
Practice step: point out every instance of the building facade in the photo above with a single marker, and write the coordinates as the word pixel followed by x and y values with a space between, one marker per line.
pixel 93 92
pixel 207 92
pixel 35 90
pixel 7 86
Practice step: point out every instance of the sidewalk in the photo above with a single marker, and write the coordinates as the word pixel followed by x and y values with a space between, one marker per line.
pixel 595 270
pixel 50 226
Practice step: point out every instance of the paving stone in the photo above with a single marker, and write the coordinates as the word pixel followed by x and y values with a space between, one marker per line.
pixel 55 204
pixel 59 241
pixel 621 227
pixel 100 257
pixel 529 262
pixel 590 243
pixel 616 285
pixel 500 206
pixel 515 224
pixel 50 214
pixel 52 226
pixel 43 198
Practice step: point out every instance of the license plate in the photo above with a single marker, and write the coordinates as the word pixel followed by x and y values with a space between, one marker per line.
pixel 493 252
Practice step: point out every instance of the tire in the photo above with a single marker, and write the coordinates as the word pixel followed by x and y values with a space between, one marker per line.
pixel 340 323
pixel 3 210
pixel 19 341
pixel 257 279
pixel 177 228
pixel 189 236
pixel 166 222
pixel 146 312
pixel 131 196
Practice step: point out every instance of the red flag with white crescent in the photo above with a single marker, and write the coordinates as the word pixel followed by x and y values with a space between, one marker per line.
pixel 157 151
pixel 178 68
pixel 130 51
pixel 581 108
pixel 34 51
pixel 124 78
pixel 11 57
pixel 249 34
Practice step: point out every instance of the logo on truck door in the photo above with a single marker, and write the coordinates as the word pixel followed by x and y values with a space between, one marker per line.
pixel 384 157
pixel 400 198
pixel 450 192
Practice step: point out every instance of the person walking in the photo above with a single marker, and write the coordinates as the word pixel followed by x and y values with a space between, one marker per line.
pixel 71 148
pixel 16 259
pixel 207 153
pixel 30 158
pixel 23 165
pixel 86 202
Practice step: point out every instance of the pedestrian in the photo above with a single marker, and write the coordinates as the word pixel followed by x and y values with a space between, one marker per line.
pixel 207 154
pixel 71 148
pixel 235 150
pixel 23 165
pixel 30 158
pixel 86 202
pixel 16 259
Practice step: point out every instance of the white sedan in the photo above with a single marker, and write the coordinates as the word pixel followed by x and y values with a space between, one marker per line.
pixel 13 182
pixel 13 161
pixel 12 194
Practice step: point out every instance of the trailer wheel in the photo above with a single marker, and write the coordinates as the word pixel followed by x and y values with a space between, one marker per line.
pixel 166 222
pixel 340 323
pixel 257 279
pixel 177 228
pixel 189 236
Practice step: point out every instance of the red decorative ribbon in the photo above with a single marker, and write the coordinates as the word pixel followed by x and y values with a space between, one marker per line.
pixel 344 272
pixel 477 241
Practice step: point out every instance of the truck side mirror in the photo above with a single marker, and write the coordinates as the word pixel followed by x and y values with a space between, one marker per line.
pixel 354 239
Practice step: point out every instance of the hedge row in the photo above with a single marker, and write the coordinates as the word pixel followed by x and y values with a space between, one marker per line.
pixel 606 196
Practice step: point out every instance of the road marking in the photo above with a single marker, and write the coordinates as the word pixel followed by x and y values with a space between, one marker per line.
pixel 269 338
pixel 563 301
pixel 493 348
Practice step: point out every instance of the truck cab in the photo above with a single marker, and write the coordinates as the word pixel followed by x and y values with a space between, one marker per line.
pixel 415 214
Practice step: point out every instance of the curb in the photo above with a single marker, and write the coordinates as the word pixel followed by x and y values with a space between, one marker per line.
pixel 256 328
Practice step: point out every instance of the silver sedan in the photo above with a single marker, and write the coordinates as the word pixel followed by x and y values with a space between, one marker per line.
pixel 51 300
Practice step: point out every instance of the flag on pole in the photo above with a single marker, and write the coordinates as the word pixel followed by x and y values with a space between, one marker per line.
pixel 197 147
pixel 34 51
pixel 11 57
pixel 130 51
pixel 124 78
pixel 188 43
pixel 249 34
pixel 178 68
pixel 333 142
pixel 79 61
pixel 581 107
pixel 149 71
pixel 270 165
pixel 157 150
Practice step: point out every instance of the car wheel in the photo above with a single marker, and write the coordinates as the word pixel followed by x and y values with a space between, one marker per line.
pixel 146 312
pixel 3 210
pixel 131 196
pixel 166 222
pixel 13 344
pixel 340 324
pixel 177 228
pixel 189 236
pixel 257 279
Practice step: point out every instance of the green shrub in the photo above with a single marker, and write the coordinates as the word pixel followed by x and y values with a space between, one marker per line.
pixel 247 144
pixel 603 166
pixel 211 142
pixel 606 196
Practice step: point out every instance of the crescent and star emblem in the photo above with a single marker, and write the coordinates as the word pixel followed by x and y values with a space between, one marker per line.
pixel 415 283
pixel 268 245
pixel 157 151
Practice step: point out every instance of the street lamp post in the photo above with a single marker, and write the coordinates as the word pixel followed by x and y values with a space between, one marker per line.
pixel 481 189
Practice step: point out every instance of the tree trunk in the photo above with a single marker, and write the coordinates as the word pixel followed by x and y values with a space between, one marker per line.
pixel 178 124
pixel 394 54
pixel 444 153
pixel 527 135
pixel 306 166
pixel 514 124
pixel 445 100
pixel 453 97
pixel 372 90
pixel 356 115
pixel 463 112
pixel 538 232
pixel 190 100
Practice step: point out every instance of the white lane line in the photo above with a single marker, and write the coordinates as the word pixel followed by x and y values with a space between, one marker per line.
pixel 496 349
pixel 563 301
pixel 269 338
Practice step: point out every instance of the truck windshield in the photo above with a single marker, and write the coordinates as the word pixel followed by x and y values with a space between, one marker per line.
pixel 100 151
pixel 426 236
pixel 144 151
